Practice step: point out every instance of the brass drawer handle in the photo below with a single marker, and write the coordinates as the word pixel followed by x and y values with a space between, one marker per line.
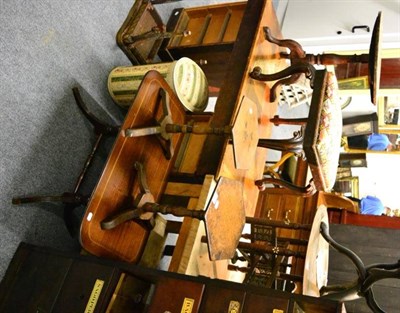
pixel 269 213
pixel 286 219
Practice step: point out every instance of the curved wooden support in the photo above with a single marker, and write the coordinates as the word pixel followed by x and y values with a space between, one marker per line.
pixel 71 201
pixel 270 170
pixel 354 258
pixel 378 272
pixel 100 127
pixel 296 50
pixel 135 211
pixel 298 68
pixel 285 81
pixel 294 144
pixel 367 276
pixel 144 206
pixel 369 296
pixel 287 76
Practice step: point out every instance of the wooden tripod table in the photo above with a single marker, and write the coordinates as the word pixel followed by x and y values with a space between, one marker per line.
pixel 117 186
pixel 243 132
pixel 223 215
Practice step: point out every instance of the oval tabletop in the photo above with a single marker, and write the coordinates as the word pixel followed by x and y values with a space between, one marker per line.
pixel 317 256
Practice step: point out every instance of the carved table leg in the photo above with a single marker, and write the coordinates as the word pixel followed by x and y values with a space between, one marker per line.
pixel 296 50
pixel 287 76
pixel 294 144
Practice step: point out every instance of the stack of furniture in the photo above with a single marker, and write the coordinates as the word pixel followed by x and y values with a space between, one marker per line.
pixel 184 169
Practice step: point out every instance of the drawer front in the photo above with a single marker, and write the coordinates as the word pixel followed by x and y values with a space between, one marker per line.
pixel 220 300
pixel 172 295
pixel 255 303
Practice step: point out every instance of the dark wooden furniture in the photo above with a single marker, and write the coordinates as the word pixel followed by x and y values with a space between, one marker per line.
pixel 118 184
pixel 87 284
pixel 372 245
pixel 142 33
pixel 268 255
pixel 319 142
pixel 74 199
pixel 373 58
pixel 213 155
pixel 281 204
pixel 343 216
pixel 367 276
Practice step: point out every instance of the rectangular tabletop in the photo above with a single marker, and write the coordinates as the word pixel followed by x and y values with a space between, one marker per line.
pixel 118 184
pixel 250 50
pixel 217 158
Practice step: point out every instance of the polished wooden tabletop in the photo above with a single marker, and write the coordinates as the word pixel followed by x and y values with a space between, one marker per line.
pixel 217 156
pixel 118 185
pixel 251 49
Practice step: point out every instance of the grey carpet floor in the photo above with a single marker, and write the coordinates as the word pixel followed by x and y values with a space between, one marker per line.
pixel 46 48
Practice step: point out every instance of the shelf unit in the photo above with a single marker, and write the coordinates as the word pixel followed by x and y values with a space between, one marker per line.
pixel 44 280
pixel 206 35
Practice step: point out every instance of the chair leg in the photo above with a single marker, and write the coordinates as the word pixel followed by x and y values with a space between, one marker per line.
pixel 296 50
pixel 270 170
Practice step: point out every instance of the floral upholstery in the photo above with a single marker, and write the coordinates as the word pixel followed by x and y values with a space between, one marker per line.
pixel 329 135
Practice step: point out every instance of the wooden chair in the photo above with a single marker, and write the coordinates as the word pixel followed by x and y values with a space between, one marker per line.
pixel 268 255
pixel 318 140
pixel 72 200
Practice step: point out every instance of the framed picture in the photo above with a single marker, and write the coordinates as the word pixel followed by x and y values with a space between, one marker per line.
pixel 353 160
pixel 354 83
pixel 360 125
pixel 348 186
